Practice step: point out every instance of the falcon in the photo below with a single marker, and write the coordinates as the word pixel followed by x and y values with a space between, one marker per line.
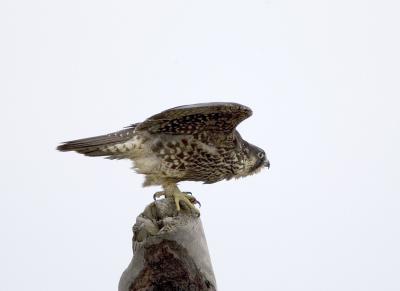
pixel 197 142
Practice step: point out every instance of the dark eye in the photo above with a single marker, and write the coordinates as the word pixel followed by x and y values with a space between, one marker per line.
pixel 261 155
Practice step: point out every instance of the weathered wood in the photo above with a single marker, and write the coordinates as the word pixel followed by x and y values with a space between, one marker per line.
pixel 169 252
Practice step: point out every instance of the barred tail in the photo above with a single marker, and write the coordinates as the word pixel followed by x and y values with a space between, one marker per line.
pixel 112 145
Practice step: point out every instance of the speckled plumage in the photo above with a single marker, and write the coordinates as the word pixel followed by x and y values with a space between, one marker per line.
pixel 196 142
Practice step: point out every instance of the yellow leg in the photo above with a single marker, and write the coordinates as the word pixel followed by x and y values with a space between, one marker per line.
pixel 172 190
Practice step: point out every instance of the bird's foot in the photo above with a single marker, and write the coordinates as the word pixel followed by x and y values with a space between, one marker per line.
pixel 185 197
pixel 187 200
pixel 191 198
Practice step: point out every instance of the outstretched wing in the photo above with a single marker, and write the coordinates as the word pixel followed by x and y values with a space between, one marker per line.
pixel 115 145
pixel 192 119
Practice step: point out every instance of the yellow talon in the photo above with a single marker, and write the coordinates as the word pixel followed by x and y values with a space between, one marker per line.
pixel 186 199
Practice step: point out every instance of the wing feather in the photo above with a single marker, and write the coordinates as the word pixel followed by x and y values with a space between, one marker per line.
pixel 192 119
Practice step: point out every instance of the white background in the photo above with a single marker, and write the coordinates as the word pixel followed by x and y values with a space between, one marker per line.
pixel 322 78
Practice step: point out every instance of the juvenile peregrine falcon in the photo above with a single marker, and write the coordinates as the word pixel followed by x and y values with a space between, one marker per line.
pixel 195 142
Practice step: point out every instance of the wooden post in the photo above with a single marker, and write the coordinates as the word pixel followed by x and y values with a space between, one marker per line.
pixel 169 252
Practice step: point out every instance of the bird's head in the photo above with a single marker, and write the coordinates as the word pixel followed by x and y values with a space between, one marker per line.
pixel 254 158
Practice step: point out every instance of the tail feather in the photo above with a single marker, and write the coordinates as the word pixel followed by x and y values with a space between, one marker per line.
pixel 102 145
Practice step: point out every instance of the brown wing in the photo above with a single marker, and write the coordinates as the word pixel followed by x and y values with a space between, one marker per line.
pixel 192 119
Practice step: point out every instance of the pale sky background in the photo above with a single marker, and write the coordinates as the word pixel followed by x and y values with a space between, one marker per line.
pixel 322 78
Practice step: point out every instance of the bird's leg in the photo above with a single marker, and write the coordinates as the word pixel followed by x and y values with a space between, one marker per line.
pixel 172 190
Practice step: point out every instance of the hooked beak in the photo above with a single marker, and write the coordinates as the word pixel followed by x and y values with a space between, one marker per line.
pixel 267 164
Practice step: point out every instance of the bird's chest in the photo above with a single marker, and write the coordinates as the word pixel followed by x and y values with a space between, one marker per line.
pixel 191 159
pixel 215 164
